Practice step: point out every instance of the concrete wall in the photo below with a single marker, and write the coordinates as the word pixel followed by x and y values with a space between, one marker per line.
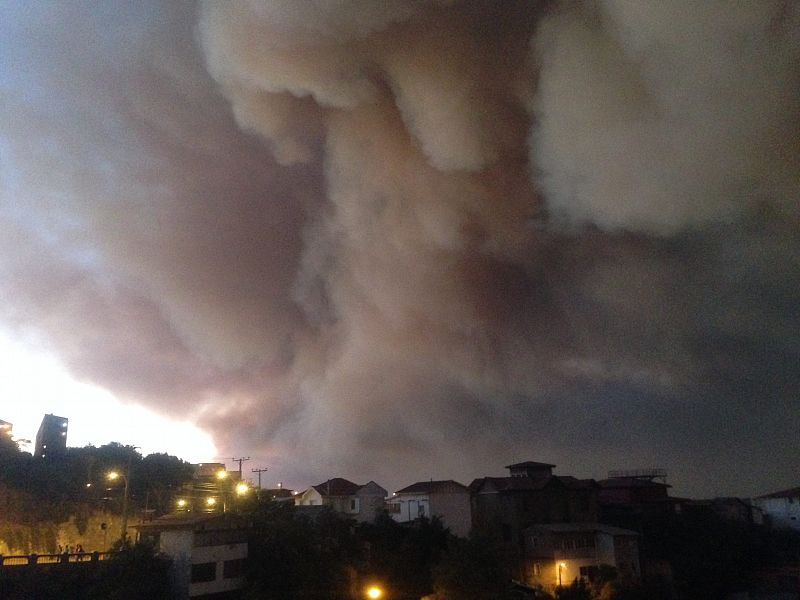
pixel 45 537
pixel 410 507
pixel 218 554
pixel 784 512
pixel 455 510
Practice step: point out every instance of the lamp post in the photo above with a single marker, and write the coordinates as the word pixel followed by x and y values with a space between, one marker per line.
pixel 113 475
pixel 561 566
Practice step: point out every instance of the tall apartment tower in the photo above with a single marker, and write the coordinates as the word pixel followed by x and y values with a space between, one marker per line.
pixel 52 436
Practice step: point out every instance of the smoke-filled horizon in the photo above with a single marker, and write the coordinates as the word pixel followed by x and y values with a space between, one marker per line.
pixel 419 239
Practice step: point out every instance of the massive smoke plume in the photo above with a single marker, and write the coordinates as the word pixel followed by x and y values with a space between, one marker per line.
pixel 408 239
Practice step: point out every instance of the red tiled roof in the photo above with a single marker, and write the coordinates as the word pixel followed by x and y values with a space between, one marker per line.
pixel 433 487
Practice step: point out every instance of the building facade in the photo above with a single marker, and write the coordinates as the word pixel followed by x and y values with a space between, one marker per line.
pixel 447 500
pixel 360 502
pixel 503 507
pixel 559 553
pixel 208 552
pixel 781 508
pixel 52 436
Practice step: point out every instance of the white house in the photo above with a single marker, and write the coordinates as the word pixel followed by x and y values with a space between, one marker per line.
pixel 361 502
pixel 558 553
pixel 782 508
pixel 208 552
pixel 448 500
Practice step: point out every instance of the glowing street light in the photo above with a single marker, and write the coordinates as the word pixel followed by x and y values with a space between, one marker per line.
pixel 113 476
pixel 222 474
pixel 181 503
pixel 374 592
pixel 561 566
pixel 211 501
pixel 242 488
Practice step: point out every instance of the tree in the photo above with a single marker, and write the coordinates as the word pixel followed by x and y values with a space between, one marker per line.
pixel 471 569
pixel 403 555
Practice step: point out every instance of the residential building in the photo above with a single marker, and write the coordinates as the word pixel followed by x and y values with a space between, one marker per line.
pixel 632 497
pixel 361 502
pixel 559 553
pixel 280 494
pixel 448 500
pixel 503 507
pixel 781 508
pixel 727 508
pixel 208 552
pixel 52 436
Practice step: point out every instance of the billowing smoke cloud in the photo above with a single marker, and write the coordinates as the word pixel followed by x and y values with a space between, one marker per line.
pixel 403 240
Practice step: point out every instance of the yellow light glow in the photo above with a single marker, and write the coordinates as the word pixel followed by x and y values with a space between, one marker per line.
pixel 374 592
pixel 113 475
pixel 211 501
pixel 222 474
pixel 181 502
pixel 562 565
pixel 242 488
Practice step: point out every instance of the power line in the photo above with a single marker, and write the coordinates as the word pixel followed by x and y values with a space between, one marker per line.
pixel 260 470
pixel 240 461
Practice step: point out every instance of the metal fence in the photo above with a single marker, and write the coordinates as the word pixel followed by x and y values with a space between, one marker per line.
pixel 52 559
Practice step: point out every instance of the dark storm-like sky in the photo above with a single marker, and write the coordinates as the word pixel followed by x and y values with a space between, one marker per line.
pixel 409 239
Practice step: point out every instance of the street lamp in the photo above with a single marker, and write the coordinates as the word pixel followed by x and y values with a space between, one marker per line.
pixel 113 476
pixel 374 592
pixel 242 488
pixel 561 566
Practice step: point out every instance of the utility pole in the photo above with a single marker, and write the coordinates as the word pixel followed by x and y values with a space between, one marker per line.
pixel 240 461
pixel 260 470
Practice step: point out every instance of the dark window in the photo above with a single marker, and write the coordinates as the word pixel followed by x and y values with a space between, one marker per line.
pixel 203 572
pixel 233 568
pixel 506 532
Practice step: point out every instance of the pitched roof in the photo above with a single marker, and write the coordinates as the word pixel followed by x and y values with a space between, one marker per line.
pixel 190 521
pixel 575 483
pixel 630 482
pixel 583 528
pixel 529 464
pixel 790 493
pixel 511 484
pixel 337 487
pixel 433 487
